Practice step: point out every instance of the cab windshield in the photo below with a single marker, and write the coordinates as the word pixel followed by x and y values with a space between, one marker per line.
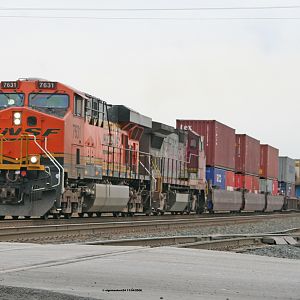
pixel 37 100
pixel 11 99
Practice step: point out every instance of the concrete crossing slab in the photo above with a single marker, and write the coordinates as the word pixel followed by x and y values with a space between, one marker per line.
pixel 107 272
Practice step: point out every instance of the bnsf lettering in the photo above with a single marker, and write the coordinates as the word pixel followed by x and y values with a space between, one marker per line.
pixel 13 132
pixel 34 131
pixel 51 131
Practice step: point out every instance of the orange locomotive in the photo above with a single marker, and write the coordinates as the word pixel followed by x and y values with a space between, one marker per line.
pixel 63 152
pixel 54 139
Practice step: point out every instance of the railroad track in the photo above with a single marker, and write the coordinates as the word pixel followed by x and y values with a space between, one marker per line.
pixel 70 231
pixel 109 218
pixel 209 242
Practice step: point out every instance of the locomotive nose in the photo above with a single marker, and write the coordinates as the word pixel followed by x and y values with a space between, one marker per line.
pixel 18 125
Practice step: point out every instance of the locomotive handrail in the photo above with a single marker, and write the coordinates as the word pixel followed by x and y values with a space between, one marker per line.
pixel 148 171
pixel 62 168
pixel 148 154
pixel 1 148
pixel 52 160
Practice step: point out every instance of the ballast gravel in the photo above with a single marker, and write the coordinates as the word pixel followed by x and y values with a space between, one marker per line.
pixel 282 251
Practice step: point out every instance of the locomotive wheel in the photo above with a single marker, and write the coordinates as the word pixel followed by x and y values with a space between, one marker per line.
pixel 2 217
pixel 27 217
pixel 15 217
pixel 81 215
pixel 181 212
pixel 90 214
pixel 68 216
pixel 56 216
pixel 115 214
pixel 98 214
pixel 162 213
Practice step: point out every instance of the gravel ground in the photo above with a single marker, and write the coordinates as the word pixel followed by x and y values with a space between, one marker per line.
pixel 16 293
pixel 258 227
pixel 283 251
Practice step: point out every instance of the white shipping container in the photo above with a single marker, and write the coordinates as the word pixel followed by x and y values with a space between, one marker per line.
pixel 286 169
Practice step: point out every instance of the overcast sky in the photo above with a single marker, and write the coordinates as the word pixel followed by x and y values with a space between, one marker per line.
pixel 244 73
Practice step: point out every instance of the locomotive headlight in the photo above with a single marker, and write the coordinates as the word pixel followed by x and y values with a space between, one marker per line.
pixel 33 159
pixel 17 122
pixel 17 118
pixel 17 115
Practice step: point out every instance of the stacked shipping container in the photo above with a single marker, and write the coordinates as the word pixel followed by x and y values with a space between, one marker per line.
pixel 286 176
pixel 219 141
pixel 247 182
pixel 269 160
pixel 230 180
pixel 238 161
pixel 297 178
pixel 247 159
pixel 219 145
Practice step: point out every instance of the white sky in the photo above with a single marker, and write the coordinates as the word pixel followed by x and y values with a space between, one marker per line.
pixel 244 73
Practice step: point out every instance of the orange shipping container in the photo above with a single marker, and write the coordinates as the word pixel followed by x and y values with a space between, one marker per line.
pixel 247 154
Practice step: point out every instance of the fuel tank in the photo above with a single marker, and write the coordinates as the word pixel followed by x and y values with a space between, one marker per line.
pixel 107 198
pixel 177 202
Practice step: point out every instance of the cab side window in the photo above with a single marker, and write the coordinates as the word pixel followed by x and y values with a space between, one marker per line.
pixel 78 106
pixel 95 112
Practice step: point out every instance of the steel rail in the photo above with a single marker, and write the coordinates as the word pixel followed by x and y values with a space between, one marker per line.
pixel 210 242
pixel 44 232
pixel 138 217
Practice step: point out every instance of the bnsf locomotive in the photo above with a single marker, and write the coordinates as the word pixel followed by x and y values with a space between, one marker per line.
pixel 63 151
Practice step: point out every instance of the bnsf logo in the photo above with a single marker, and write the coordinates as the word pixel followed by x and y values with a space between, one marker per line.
pixel 34 131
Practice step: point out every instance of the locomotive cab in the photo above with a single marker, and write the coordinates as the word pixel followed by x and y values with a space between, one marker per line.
pixel 31 143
